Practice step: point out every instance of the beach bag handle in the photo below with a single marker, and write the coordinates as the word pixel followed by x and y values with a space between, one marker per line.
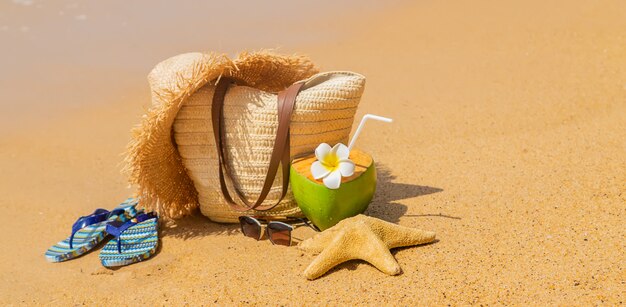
pixel 280 152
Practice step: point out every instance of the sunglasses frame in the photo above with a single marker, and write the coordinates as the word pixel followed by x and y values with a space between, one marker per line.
pixel 265 228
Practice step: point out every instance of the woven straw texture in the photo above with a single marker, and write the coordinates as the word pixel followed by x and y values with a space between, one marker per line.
pixel 173 159
pixel 324 112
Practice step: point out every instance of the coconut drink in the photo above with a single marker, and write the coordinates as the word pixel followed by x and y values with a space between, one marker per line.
pixel 335 182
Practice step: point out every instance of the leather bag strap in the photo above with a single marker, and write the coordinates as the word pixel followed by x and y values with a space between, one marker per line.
pixel 280 151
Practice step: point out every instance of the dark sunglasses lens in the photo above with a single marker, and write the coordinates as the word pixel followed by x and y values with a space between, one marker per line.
pixel 279 233
pixel 250 228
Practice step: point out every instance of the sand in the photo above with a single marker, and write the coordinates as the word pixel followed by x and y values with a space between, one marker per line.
pixel 509 141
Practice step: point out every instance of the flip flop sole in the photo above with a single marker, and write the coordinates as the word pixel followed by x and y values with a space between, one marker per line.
pixel 84 240
pixel 138 243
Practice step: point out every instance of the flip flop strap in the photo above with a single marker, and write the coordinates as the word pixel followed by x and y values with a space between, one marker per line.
pixel 96 217
pixel 116 228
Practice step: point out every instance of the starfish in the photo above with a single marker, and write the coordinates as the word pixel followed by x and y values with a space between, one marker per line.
pixel 361 237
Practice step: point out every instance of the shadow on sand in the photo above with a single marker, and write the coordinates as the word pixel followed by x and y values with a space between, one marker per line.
pixel 196 225
pixel 385 206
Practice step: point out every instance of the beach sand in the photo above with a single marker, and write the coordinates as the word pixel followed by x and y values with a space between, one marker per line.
pixel 509 141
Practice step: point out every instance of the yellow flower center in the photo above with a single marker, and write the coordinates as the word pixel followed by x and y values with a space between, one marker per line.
pixel 331 162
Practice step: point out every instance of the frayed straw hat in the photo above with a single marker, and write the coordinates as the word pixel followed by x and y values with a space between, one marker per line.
pixel 173 158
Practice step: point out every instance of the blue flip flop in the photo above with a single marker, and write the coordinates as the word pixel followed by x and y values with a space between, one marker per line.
pixel 90 230
pixel 135 240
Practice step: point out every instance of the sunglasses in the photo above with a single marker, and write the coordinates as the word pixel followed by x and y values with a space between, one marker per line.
pixel 278 232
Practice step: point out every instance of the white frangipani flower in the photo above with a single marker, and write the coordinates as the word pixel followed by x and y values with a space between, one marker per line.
pixel 332 164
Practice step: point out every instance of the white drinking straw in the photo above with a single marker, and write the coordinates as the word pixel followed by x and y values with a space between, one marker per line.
pixel 363 120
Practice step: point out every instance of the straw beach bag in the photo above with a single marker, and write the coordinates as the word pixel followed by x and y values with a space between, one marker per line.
pixel 218 129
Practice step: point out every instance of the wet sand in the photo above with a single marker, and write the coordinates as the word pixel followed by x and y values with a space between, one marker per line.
pixel 509 141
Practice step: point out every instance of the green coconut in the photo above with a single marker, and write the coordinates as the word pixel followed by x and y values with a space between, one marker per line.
pixel 326 207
